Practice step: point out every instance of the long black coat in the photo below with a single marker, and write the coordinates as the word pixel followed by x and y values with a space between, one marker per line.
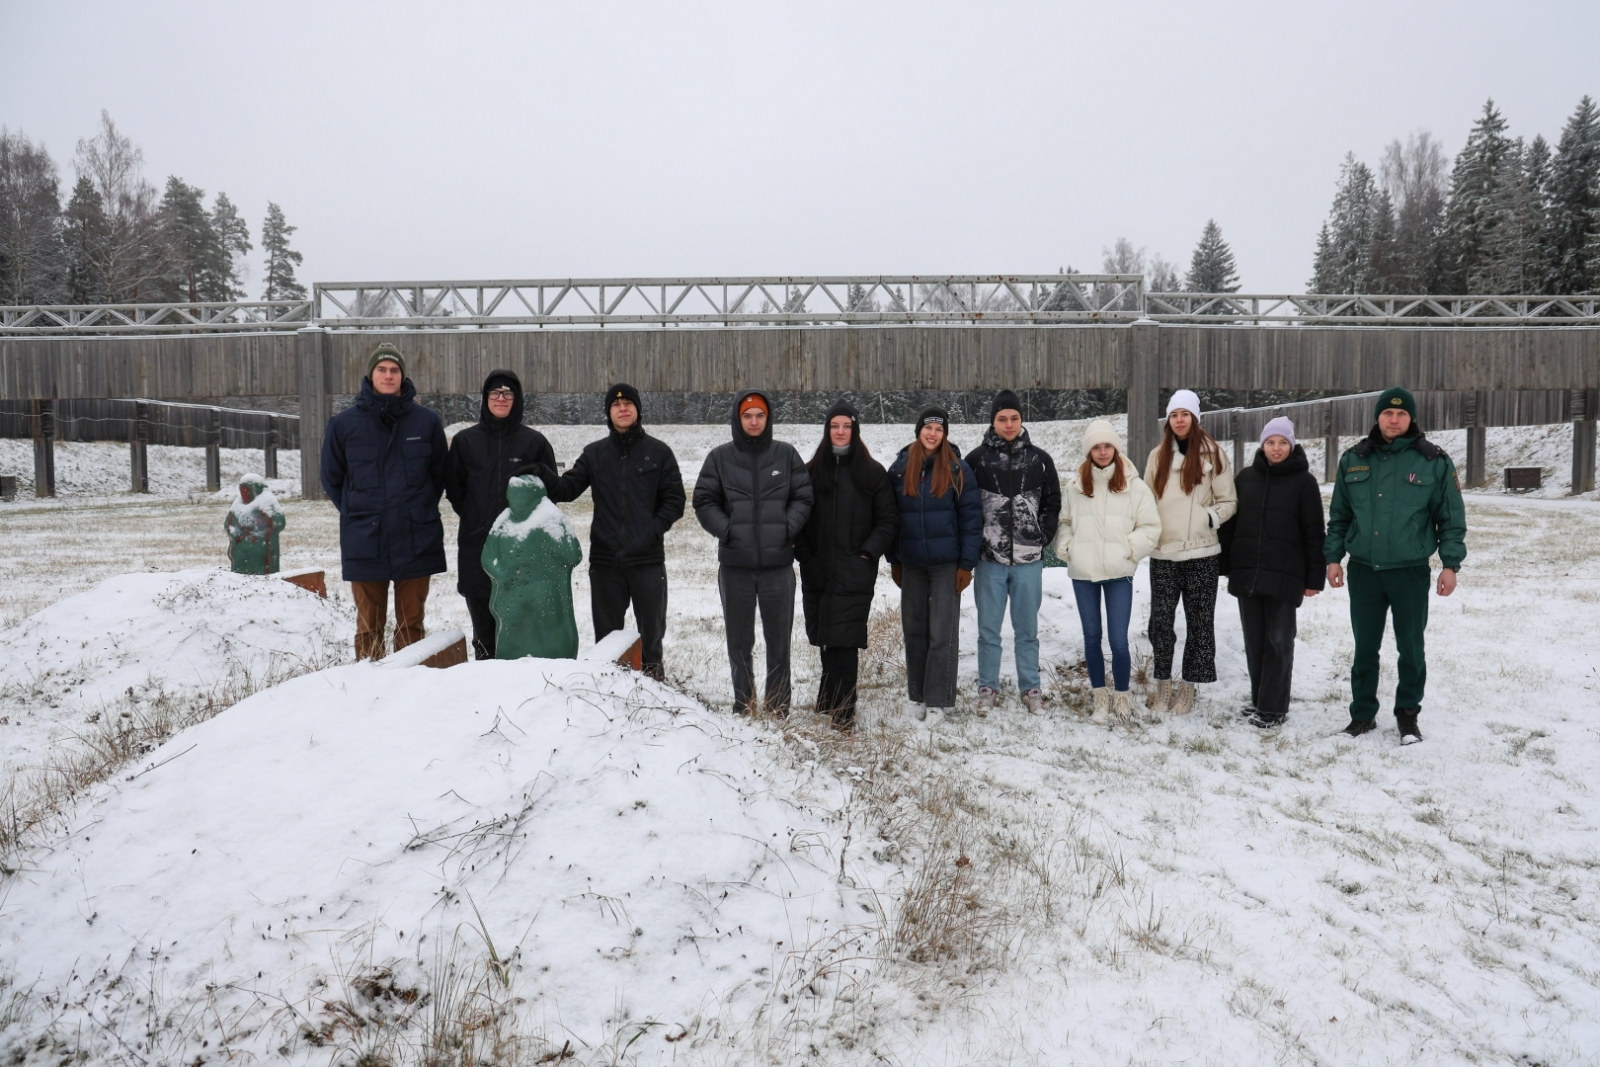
pixel 383 464
pixel 638 495
pixel 754 496
pixel 854 519
pixel 1272 547
pixel 482 460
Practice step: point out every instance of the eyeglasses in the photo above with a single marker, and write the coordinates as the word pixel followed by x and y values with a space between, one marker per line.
pixel 501 394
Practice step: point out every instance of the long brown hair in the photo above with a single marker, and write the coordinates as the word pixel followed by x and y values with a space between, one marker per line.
pixel 1202 446
pixel 1119 474
pixel 946 469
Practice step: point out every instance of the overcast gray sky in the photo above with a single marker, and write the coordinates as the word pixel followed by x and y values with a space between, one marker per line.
pixel 471 140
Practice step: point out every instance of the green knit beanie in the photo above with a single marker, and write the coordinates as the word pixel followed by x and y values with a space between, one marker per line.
pixel 383 352
pixel 1395 397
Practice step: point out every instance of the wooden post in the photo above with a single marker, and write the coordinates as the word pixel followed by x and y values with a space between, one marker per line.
pixel 44 448
pixel 214 452
pixel 1236 427
pixel 139 449
pixel 1330 444
pixel 269 460
pixel 1477 456
pixel 1583 443
pixel 314 408
pixel 1144 390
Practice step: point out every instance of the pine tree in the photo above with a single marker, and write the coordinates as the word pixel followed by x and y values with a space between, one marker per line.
pixel 86 239
pixel 1387 272
pixel 234 235
pixel 31 263
pixel 281 259
pixel 1212 268
pixel 1343 261
pixel 1515 257
pixel 1474 199
pixel 859 298
pixel 1574 191
pixel 198 266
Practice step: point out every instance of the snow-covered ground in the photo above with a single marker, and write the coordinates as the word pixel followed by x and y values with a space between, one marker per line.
pixel 1036 890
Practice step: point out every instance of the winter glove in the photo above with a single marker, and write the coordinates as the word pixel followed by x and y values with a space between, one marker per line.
pixel 963 579
pixel 894 572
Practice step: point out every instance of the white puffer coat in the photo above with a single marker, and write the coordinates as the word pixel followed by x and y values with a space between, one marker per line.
pixel 1106 535
pixel 1190 521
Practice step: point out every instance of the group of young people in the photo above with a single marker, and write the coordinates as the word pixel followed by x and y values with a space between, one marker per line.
pixel 943 520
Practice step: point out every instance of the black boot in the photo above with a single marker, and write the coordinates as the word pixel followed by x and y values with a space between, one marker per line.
pixel 1263 720
pixel 1406 719
pixel 1358 727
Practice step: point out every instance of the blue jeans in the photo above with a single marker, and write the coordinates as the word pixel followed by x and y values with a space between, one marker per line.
pixel 1119 608
pixel 992 585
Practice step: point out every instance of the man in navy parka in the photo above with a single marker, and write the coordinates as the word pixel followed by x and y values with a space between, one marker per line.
pixel 383 466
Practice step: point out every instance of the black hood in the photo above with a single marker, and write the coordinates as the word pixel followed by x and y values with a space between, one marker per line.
pixel 1296 463
pixel 512 420
pixel 742 438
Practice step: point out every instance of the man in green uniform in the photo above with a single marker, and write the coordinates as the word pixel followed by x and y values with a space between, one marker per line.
pixel 1395 503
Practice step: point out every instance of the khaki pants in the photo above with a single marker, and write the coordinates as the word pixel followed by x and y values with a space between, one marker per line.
pixel 372 611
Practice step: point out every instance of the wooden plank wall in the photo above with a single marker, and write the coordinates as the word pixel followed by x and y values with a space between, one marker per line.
pixel 188 425
pixel 174 366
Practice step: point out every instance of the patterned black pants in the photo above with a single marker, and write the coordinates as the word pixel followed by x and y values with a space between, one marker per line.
pixel 1194 581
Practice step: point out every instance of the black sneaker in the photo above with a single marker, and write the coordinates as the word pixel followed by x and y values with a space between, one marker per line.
pixel 1250 710
pixel 1263 721
pixel 1406 719
pixel 1358 727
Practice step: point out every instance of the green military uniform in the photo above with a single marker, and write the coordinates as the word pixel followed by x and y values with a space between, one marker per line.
pixel 1395 503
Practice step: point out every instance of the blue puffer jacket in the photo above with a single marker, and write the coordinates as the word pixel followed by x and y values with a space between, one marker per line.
pixel 383 466
pixel 946 530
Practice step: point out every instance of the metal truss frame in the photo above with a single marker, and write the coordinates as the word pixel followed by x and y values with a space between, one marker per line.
pixel 1373 310
pixel 227 316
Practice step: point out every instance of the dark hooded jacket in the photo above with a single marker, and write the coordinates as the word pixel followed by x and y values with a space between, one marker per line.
pixel 383 466
pixel 638 495
pixel 1021 496
pixel 754 496
pixel 853 521
pixel 482 460
pixel 948 529
pixel 1272 546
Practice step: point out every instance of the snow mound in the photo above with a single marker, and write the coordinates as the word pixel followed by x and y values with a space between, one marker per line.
pixel 626 852
pixel 139 633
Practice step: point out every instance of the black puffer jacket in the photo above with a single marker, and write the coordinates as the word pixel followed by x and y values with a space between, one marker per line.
pixel 383 466
pixel 853 521
pixel 1021 497
pixel 1273 546
pixel 753 496
pixel 638 495
pixel 482 460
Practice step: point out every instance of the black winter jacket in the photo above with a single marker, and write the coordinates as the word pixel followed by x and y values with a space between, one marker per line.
pixel 638 495
pixel 482 460
pixel 948 529
pixel 383 464
pixel 854 520
pixel 1021 498
pixel 1272 546
pixel 754 496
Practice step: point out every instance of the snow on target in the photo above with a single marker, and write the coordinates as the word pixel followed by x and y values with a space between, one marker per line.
pixel 624 852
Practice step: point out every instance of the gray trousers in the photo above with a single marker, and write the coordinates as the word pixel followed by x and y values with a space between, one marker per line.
pixel 930 612
pixel 744 589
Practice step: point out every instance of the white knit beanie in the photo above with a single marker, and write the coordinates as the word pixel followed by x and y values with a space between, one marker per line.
pixel 1185 399
pixel 1282 426
pixel 1100 432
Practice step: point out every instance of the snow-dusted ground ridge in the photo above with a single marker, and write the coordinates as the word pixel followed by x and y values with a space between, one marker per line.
pixel 1014 890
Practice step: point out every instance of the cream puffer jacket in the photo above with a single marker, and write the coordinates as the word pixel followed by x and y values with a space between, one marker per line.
pixel 1106 535
pixel 1190 521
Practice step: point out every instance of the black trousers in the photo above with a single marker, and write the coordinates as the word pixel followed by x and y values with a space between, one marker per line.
pixel 836 695
pixel 1269 630
pixel 612 588
pixel 1194 582
pixel 482 627
pixel 744 590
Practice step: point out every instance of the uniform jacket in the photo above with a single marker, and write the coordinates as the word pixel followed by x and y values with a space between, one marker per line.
pixel 1273 546
pixel 754 496
pixel 853 521
pixel 383 465
pixel 482 460
pixel 1106 535
pixel 1395 504
pixel 638 495
pixel 1190 522
pixel 1021 497
pixel 946 530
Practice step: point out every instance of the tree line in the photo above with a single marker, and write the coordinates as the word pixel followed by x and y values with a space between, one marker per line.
pixel 1508 216
pixel 120 241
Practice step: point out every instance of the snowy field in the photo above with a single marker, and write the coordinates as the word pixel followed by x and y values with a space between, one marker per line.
pixel 357 860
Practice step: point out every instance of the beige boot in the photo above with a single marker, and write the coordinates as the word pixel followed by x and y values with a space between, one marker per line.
pixel 1102 705
pixel 1182 698
pixel 1161 698
pixel 1122 704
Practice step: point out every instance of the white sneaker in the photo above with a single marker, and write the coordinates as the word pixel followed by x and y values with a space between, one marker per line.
pixel 1102 705
pixel 987 698
pixel 916 709
pixel 1033 700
